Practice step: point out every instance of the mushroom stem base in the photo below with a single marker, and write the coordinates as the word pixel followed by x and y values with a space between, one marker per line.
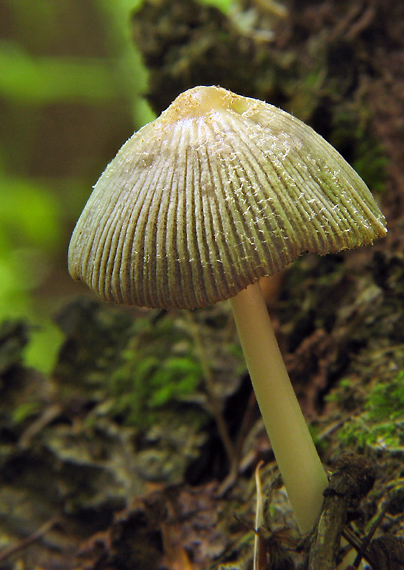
pixel 302 471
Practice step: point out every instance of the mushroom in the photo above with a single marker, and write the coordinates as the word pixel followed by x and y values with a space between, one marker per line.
pixel 215 193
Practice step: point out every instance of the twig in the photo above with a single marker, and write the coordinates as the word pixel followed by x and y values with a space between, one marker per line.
pixel 352 538
pixel 351 481
pixel 366 541
pixel 212 398
pixel 42 530
pixel 47 416
pixel 259 551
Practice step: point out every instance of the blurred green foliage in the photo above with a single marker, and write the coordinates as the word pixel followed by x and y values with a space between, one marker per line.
pixel 223 5
pixel 56 60
pixel 33 80
pixel 381 424
pixel 29 234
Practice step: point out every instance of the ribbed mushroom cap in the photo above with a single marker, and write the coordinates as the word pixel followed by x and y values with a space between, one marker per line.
pixel 217 192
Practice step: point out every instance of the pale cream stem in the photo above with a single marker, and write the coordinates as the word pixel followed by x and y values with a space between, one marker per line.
pixel 295 453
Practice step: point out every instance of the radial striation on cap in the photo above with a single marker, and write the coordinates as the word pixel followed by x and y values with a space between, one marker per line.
pixel 217 192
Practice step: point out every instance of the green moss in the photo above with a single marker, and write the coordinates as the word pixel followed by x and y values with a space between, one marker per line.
pixel 371 164
pixel 380 426
pixel 157 370
pixel 339 396
pixel 387 401
pixel 351 136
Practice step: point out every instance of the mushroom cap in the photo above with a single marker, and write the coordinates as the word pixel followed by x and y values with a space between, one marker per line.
pixel 215 193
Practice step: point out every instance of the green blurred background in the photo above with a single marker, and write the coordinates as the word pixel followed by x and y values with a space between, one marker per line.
pixel 70 86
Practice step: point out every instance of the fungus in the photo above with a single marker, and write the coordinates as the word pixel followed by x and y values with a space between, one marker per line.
pixel 217 192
